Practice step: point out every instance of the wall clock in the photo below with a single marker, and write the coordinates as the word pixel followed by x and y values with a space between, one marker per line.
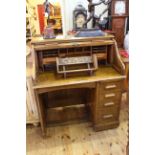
pixel 80 20
pixel 79 17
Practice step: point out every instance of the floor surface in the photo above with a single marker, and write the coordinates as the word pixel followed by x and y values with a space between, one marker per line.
pixel 80 139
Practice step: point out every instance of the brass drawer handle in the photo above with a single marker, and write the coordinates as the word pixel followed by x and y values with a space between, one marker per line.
pixel 107 116
pixel 111 86
pixel 110 95
pixel 109 104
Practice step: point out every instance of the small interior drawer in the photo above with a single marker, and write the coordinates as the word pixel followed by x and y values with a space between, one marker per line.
pixel 115 85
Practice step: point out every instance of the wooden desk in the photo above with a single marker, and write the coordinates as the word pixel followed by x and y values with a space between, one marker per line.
pixel 95 98
pixel 126 82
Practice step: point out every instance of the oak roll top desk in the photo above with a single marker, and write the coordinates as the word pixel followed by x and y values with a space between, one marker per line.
pixel 94 97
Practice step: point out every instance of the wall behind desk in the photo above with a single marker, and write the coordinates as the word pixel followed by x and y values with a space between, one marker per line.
pixel 67 7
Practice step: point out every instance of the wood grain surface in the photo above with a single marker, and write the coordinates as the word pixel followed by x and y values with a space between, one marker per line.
pixel 80 139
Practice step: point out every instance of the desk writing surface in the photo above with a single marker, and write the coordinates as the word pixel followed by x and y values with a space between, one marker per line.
pixel 50 79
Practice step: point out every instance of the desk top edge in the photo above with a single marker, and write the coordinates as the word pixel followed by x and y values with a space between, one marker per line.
pixel 38 40
pixel 44 86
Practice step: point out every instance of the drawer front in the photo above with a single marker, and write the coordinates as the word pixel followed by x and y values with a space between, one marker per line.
pixel 113 86
pixel 107 115
pixel 110 96
pixel 105 104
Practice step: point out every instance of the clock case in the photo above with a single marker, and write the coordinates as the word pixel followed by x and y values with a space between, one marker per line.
pixel 79 9
pixel 113 8
pixel 118 23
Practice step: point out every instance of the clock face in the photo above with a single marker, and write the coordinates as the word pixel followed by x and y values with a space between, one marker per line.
pixel 80 19
pixel 120 7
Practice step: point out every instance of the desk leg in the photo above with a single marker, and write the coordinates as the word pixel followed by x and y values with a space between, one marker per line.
pixel 95 104
pixel 41 111
pixel 126 82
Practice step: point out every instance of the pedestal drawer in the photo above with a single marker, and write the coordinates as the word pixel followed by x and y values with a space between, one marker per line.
pixel 108 103
pixel 114 85
pixel 110 96
pixel 109 114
